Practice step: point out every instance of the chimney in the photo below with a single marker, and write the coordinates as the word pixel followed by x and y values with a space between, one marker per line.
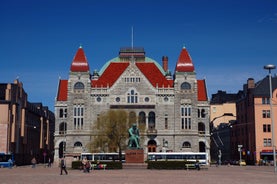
pixel 250 83
pixel 165 63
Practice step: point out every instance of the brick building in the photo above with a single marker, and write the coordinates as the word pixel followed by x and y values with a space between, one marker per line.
pixel 26 129
pixel 253 129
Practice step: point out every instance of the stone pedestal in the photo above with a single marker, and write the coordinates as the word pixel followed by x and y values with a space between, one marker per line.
pixel 134 156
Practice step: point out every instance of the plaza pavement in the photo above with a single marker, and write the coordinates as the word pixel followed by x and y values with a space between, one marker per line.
pixel 213 175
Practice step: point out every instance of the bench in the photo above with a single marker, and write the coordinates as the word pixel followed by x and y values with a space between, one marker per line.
pixel 102 166
pixel 190 166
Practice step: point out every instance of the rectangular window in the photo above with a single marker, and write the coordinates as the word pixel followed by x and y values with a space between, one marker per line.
pixel 266 128
pixel 266 113
pixel 265 100
pixel 267 142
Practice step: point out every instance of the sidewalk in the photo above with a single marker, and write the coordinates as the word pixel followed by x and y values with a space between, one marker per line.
pixel 214 175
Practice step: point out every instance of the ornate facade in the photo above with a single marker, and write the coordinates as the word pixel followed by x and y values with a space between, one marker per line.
pixel 174 109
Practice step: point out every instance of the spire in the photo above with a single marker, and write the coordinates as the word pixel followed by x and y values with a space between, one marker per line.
pixel 79 63
pixel 184 63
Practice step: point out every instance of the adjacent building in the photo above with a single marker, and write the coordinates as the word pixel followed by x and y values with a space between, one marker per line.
pixel 253 129
pixel 223 114
pixel 174 108
pixel 26 129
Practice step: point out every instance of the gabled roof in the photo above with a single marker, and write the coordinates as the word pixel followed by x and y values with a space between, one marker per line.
pixel 184 63
pixel 110 75
pixel 115 69
pixel 202 90
pixel 154 75
pixel 62 91
pixel 80 63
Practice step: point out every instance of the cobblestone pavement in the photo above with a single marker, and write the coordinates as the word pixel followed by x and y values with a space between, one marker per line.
pixel 213 175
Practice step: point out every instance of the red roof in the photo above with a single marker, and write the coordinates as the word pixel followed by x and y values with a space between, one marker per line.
pixel 79 63
pixel 110 75
pixel 62 91
pixel 115 69
pixel 154 75
pixel 184 63
pixel 202 91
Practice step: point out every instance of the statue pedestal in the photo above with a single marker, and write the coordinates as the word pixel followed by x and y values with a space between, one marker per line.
pixel 134 156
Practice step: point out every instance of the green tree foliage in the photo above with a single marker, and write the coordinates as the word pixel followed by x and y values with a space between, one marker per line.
pixel 111 130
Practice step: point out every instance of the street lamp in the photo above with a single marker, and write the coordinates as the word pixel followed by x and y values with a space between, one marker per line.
pixel 269 68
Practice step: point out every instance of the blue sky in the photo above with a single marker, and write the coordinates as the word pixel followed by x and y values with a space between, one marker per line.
pixel 229 40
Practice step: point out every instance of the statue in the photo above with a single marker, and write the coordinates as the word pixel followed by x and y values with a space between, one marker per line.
pixel 133 137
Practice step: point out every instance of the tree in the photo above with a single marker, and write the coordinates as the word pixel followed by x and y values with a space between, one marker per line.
pixel 111 131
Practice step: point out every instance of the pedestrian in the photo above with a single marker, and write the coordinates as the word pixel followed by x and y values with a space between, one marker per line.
pixel 84 162
pixel 63 166
pixel 197 165
pixel 33 162
pixel 10 163
pixel 49 162
pixel 88 166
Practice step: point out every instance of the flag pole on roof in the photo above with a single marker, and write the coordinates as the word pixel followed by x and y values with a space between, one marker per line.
pixel 132 37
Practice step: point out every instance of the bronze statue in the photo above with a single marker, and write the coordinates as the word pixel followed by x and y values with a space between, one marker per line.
pixel 133 137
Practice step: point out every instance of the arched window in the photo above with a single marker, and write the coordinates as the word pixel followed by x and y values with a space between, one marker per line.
pixel 79 85
pixel 186 145
pixel 78 144
pixel 185 86
pixel 142 118
pixel 151 120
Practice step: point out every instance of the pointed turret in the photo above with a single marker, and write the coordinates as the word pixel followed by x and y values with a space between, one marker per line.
pixel 184 63
pixel 80 63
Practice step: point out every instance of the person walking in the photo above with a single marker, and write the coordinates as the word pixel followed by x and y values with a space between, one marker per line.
pixel 33 162
pixel 63 166
pixel 49 162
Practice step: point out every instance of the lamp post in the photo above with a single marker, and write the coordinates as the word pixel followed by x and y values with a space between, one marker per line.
pixel 269 68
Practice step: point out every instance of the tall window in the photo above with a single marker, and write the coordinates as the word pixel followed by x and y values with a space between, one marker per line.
pixel 166 122
pixel 63 113
pixel 151 120
pixel 132 96
pixel 78 117
pixel 186 116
